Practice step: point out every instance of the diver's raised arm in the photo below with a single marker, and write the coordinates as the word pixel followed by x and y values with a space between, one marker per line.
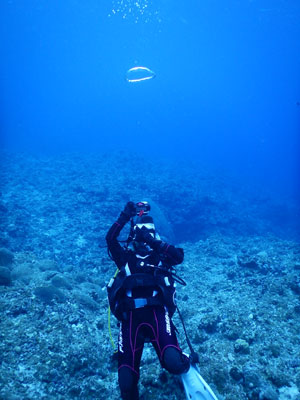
pixel 116 250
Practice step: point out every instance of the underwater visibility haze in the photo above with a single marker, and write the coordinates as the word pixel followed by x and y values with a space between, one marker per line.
pixel 226 90
pixel 193 106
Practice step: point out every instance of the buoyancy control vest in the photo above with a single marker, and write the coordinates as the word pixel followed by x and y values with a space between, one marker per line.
pixel 124 282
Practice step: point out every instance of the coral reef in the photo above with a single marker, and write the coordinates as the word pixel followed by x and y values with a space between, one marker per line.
pixel 240 305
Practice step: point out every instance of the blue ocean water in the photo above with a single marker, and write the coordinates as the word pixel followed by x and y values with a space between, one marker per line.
pixel 226 92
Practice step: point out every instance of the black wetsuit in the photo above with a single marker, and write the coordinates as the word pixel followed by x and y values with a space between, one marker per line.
pixel 147 323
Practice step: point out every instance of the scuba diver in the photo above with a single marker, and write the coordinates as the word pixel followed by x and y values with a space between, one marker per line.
pixel 142 298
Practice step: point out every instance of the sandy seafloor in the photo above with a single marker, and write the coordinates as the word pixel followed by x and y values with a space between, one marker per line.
pixel 242 268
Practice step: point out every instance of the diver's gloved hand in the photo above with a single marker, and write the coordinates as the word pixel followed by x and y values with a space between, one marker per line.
pixel 130 209
pixel 138 235
pixel 128 212
pixel 143 235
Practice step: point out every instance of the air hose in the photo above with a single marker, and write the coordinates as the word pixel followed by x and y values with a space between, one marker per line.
pixel 194 356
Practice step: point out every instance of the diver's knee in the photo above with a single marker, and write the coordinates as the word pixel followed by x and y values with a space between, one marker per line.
pixel 174 361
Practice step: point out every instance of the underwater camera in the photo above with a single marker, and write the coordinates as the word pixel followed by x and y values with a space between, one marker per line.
pixel 142 208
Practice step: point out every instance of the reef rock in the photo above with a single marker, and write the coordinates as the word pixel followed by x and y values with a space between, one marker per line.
pixel 5 276
pixel 6 257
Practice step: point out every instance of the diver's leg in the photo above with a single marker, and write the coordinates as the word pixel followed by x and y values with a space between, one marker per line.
pixel 129 357
pixel 175 361
pixel 128 381
pixel 170 354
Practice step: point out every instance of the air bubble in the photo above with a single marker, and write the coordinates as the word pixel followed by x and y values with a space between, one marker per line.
pixel 139 74
pixel 136 10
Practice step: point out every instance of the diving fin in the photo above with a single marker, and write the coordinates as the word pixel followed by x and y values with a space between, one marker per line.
pixel 195 386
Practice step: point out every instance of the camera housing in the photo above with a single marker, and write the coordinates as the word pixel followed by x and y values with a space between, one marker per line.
pixel 142 208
